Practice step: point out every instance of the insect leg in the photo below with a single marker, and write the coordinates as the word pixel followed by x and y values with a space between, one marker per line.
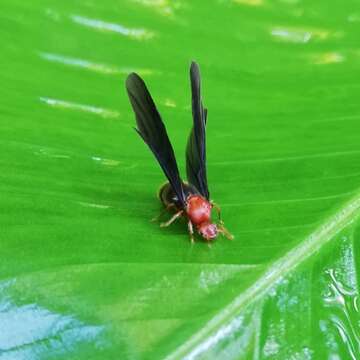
pixel 162 212
pixel 177 215
pixel 218 210
pixel 191 231
pixel 225 232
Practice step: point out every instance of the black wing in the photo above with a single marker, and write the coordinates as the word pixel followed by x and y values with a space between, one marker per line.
pixel 152 130
pixel 195 150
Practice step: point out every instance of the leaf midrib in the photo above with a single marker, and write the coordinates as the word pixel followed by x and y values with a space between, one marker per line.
pixel 213 331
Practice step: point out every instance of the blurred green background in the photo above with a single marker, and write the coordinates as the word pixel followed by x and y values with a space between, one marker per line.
pixel 85 275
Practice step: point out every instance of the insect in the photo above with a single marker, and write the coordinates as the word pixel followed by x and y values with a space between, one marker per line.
pixel 188 199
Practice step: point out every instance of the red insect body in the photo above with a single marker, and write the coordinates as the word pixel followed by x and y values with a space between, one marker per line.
pixel 198 210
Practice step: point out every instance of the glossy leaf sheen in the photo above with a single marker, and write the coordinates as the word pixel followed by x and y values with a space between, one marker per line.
pixel 85 274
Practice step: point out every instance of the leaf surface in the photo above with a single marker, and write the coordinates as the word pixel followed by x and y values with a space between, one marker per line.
pixel 84 274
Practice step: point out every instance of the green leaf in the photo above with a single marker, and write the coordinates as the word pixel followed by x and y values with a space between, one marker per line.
pixel 84 274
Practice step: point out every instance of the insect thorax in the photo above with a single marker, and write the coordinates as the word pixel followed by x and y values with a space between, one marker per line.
pixel 167 196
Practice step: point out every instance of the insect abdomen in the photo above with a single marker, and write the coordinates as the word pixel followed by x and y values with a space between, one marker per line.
pixel 167 196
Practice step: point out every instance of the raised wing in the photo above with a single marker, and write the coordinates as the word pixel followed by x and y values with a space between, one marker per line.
pixel 152 130
pixel 195 150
